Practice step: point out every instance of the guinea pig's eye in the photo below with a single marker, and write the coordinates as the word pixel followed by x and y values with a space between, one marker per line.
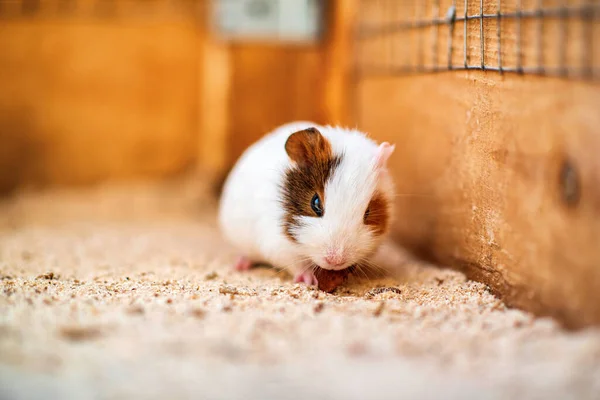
pixel 366 214
pixel 315 204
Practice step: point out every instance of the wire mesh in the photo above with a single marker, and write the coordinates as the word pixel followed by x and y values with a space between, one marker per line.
pixel 542 37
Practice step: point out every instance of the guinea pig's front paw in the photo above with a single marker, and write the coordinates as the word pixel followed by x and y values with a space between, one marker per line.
pixel 307 277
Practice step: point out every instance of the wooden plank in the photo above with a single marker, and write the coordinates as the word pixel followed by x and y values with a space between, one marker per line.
pixel 94 99
pixel 214 93
pixel 338 61
pixel 498 176
pixel 272 85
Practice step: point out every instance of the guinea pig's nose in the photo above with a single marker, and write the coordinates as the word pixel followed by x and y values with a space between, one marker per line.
pixel 335 259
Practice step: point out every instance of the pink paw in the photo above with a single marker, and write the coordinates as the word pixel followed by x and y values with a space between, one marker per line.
pixel 243 264
pixel 307 277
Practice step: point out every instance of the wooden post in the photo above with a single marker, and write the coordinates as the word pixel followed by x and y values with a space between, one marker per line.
pixel 214 91
pixel 338 57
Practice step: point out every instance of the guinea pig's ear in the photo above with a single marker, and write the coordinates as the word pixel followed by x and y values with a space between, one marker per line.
pixel 306 146
pixel 384 151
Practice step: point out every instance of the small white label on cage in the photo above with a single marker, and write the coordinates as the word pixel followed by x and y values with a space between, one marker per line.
pixel 284 20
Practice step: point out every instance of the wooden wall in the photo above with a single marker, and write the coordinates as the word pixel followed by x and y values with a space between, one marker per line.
pixel 265 94
pixel 126 90
pixel 88 96
pixel 503 183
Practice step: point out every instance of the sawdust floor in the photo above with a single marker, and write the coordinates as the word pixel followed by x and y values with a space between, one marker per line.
pixel 125 292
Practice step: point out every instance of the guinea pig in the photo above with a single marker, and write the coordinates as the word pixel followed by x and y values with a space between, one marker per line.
pixel 307 196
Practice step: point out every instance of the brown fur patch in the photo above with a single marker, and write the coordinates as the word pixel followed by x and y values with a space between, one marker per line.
pixel 378 214
pixel 315 163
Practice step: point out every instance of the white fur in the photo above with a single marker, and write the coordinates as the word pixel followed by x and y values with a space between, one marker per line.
pixel 251 214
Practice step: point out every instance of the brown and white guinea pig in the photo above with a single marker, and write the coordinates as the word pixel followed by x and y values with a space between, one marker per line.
pixel 307 195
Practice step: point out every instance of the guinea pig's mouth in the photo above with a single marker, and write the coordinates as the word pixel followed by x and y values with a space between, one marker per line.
pixel 350 268
pixel 334 267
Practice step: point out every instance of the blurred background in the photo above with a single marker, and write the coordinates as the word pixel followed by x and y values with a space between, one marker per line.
pixel 99 89
pixel 493 106
pixel 96 90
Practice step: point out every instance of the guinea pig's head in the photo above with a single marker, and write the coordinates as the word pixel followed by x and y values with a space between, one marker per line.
pixel 337 196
